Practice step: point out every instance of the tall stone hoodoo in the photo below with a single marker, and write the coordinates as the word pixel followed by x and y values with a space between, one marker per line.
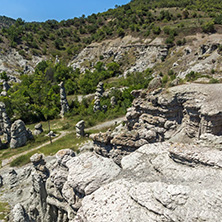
pixel 98 95
pixel 5 123
pixel 63 100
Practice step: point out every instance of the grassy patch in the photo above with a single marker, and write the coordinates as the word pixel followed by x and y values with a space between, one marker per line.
pixel 7 153
pixel 4 210
pixel 69 141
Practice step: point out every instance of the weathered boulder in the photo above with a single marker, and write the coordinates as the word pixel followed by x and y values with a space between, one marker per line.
pixel 80 126
pixel 38 129
pixel 19 134
pixel 155 83
pixel 88 171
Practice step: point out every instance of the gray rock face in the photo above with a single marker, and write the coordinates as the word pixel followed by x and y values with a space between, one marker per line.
pixel 181 114
pixel 63 100
pixel 80 126
pixel 155 186
pixel 38 129
pixel 19 134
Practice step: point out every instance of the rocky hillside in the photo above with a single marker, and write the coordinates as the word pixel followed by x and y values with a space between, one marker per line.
pixel 161 24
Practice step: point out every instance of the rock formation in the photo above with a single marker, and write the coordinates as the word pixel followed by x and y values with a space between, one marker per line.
pixel 5 123
pixel 99 90
pixel 97 105
pixel 80 126
pixel 182 113
pixel 19 134
pixel 113 101
pixel 38 129
pixel 63 100
pixel 98 95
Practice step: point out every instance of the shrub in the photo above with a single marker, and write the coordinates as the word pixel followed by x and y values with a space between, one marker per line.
pixel 208 27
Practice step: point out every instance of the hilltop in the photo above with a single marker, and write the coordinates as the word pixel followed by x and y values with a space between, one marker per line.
pixel 171 19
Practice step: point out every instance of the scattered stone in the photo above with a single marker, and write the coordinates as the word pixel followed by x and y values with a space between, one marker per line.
pixel 51 133
pixel 38 129
pixel 80 126
pixel 63 100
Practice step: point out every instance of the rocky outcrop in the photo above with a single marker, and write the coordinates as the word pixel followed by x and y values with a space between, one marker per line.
pixel 57 189
pixel 19 134
pixel 63 100
pixel 157 182
pixel 155 186
pixel 180 114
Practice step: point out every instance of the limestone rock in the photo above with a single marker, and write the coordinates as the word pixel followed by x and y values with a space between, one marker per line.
pixel 155 187
pixel 88 171
pixel 63 156
pixel 38 129
pixel 19 134
pixel 80 126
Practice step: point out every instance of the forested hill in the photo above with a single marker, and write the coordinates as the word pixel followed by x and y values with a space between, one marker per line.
pixel 140 18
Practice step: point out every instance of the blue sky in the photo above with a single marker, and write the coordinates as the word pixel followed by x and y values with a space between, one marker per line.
pixel 42 10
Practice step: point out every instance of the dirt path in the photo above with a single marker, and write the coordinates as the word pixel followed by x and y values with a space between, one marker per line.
pixel 62 134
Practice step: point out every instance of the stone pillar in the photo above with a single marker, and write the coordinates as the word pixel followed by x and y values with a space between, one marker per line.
pixel 80 126
pixel 63 100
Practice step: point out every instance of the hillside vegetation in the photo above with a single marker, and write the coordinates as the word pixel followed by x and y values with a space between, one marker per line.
pixel 141 18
